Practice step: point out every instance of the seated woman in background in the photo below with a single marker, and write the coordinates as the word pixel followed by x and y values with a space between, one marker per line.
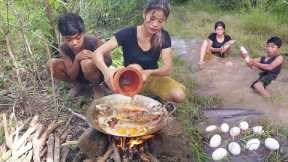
pixel 218 44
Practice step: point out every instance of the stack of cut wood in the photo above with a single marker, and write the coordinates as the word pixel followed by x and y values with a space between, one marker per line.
pixel 30 141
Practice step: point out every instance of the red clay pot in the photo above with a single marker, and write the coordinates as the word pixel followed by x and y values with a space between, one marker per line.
pixel 127 81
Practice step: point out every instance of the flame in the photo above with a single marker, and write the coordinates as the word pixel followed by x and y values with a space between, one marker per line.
pixel 132 143
pixel 129 143
pixel 138 141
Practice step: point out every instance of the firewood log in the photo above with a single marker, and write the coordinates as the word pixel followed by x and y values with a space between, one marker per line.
pixel 43 152
pixel 51 127
pixel 65 150
pixel 36 145
pixel 8 137
pixel 57 149
pixel 50 149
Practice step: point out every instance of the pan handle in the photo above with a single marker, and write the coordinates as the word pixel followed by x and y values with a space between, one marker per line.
pixel 170 107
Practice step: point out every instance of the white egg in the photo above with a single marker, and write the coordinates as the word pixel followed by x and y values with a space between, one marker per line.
pixel 219 154
pixel 215 141
pixel 211 128
pixel 224 127
pixel 235 131
pixel 234 148
pixel 258 130
pixel 272 144
pixel 244 125
pixel 253 144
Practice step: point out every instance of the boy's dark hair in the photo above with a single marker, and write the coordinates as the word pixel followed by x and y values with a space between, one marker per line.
pixel 70 24
pixel 219 23
pixel 275 40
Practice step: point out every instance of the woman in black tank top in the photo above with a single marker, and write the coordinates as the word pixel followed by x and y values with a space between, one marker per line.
pixel 218 44
pixel 143 46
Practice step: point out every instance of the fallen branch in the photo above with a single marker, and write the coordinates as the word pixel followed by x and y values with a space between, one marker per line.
pixel 106 155
pixel 68 143
pixel 68 123
pixel 66 131
pixel 64 136
pixel 77 114
pixel 51 127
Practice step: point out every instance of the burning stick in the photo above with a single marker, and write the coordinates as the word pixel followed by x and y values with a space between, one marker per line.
pixel 66 130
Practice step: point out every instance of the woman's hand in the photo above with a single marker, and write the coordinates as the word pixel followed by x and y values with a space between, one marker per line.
pixel 108 77
pixel 145 74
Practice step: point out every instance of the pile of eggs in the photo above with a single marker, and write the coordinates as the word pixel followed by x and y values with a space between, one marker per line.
pixel 234 148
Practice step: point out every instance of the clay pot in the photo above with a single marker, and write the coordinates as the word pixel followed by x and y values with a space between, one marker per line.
pixel 127 81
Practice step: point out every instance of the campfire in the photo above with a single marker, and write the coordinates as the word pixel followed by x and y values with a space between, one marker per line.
pixel 126 149
pixel 129 123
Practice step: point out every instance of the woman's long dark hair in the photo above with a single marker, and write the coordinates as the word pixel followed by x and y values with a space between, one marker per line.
pixel 157 39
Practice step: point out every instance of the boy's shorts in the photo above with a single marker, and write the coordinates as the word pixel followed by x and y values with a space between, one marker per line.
pixel 265 78
pixel 162 86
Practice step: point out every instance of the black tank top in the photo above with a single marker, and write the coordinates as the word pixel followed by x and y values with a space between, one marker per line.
pixel 133 54
pixel 274 71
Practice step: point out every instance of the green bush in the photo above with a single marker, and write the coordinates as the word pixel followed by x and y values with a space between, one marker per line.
pixel 259 22
pixel 230 4
pixel 179 1
pixel 248 4
pixel 112 13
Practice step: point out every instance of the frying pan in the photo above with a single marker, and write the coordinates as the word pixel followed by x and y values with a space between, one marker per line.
pixel 143 116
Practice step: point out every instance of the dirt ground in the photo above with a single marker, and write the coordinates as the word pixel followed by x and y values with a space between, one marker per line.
pixel 230 80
